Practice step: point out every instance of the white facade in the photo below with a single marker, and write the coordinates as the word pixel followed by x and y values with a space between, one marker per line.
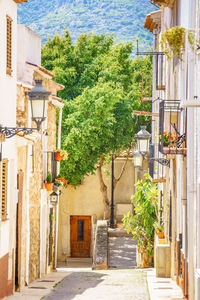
pixel 181 80
pixel 8 118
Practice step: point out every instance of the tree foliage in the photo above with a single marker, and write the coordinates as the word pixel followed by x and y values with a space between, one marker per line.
pixel 102 87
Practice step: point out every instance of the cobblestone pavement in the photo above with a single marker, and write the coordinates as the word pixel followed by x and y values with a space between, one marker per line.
pixel 101 285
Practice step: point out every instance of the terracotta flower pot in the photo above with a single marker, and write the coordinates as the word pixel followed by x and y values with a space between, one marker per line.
pixel 147 261
pixel 49 186
pixel 160 235
pixel 58 157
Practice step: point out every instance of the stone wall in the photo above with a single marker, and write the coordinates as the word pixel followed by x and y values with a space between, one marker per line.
pixel 100 255
pixel 22 216
pixel 36 182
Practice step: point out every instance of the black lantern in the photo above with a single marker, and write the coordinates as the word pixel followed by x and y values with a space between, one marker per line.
pixel 38 97
pixel 143 139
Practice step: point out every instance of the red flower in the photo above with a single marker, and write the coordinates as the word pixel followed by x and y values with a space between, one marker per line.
pixel 63 180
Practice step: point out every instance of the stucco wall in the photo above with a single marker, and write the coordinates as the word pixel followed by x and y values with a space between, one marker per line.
pixel 86 199
pixel 8 118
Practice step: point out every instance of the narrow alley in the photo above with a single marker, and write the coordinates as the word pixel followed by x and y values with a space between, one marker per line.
pixel 76 280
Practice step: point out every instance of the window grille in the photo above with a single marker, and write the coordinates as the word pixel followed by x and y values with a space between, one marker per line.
pixel 4 189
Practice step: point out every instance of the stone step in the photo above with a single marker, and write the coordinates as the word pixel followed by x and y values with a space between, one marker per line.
pixel 118 232
pixel 120 225
pixel 121 250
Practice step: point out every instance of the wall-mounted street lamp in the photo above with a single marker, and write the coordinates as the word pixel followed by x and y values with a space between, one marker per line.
pixel 54 198
pixel 137 158
pixel 38 97
pixel 143 139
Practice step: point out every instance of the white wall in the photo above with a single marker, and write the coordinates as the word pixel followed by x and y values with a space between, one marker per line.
pixel 29 50
pixel 8 118
pixel 8 83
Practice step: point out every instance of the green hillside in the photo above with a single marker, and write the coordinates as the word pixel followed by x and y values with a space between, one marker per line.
pixel 123 18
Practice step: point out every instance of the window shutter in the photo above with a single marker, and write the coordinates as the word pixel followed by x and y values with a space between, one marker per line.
pixel 9 46
pixel 4 189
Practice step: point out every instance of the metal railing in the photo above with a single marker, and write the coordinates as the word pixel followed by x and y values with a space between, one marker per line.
pixel 172 127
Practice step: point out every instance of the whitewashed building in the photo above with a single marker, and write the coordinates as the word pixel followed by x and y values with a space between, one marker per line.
pixel 176 98
pixel 8 162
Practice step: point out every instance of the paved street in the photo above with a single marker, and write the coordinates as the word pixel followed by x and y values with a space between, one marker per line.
pixel 76 280
pixel 79 282
pixel 102 285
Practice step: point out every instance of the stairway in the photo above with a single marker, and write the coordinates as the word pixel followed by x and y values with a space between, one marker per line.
pixel 121 249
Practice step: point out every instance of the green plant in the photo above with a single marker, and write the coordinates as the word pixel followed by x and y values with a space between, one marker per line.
pixel 141 224
pixel 169 138
pixel 63 153
pixel 58 182
pixel 158 227
pixel 173 41
pixel 102 87
pixel 49 178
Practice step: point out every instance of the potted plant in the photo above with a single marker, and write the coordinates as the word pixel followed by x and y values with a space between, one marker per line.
pixel 63 181
pixel 159 228
pixel 57 184
pixel 145 204
pixel 169 139
pixel 61 154
pixel 49 183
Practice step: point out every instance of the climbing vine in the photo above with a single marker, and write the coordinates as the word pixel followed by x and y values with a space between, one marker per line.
pixel 173 41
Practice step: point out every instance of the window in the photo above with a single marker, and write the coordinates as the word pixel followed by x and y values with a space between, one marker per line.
pixel 80 230
pixel 4 189
pixel 9 47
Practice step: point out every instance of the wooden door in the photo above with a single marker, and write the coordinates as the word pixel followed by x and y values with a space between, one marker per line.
pixel 80 236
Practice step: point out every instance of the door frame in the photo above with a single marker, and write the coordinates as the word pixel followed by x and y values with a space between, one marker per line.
pixel 81 216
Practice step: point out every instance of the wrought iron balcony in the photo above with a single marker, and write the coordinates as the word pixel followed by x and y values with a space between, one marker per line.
pixel 157 164
pixel 172 123
pixel 159 71
pixel 146 94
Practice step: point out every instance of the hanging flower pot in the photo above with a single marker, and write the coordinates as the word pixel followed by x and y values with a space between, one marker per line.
pixel 49 183
pixel 61 154
pixel 49 186
pixel 58 156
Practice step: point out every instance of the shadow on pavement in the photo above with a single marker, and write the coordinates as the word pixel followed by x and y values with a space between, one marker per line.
pixel 75 284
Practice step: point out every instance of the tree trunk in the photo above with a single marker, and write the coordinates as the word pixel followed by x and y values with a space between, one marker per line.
pixel 103 189
pixel 116 180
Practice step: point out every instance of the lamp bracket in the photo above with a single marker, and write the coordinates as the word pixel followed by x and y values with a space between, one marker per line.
pixel 11 131
pixel 162 161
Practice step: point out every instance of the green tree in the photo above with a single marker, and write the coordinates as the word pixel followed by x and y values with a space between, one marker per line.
pixel 102 87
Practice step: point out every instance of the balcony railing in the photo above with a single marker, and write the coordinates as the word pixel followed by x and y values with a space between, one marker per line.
pixel 157 164
pixel 160 85
pixel 146 94
pixel 172 125
pixel 159 67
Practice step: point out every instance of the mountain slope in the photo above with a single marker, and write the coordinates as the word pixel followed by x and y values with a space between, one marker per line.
pixel 123 18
